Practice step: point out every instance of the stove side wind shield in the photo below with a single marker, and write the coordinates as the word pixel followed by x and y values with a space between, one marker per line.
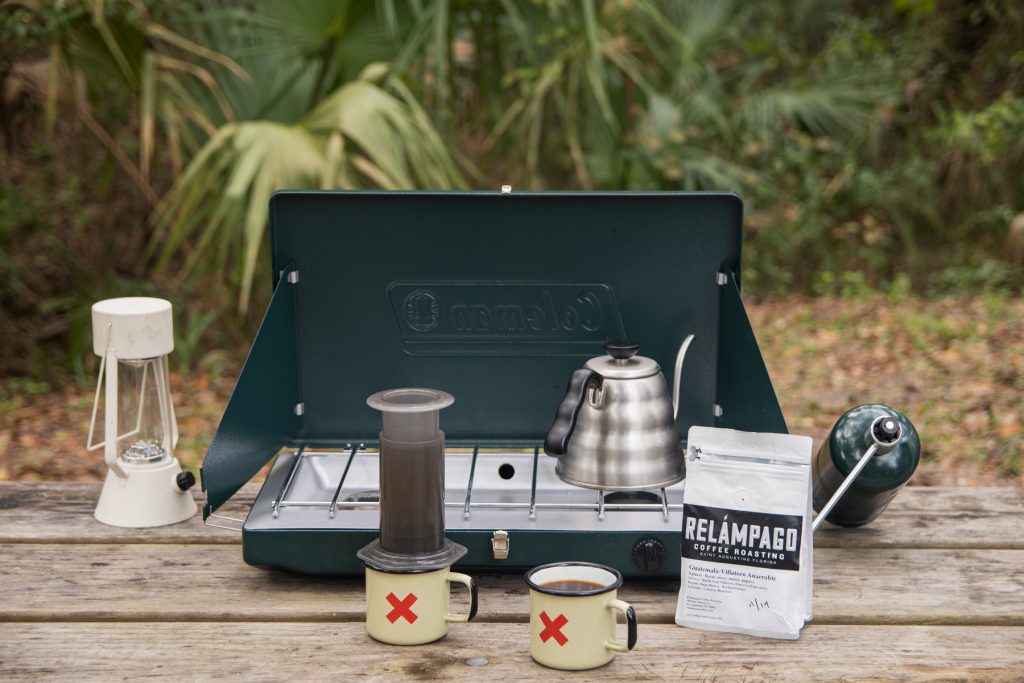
pixel 745 393
pixel 262 414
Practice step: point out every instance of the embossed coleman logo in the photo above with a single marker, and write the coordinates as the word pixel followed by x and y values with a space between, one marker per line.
pixel 553 628
pixel 504 318
pixel 402 608
pixel 421 310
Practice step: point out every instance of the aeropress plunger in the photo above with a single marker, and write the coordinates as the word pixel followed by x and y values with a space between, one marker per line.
pixel 411 484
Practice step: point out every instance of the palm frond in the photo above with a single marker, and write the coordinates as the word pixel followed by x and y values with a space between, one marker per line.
pixel 824 108
pixel 361 135
pixel 165 34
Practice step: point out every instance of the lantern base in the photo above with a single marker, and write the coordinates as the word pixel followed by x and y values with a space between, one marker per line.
pixel 149 496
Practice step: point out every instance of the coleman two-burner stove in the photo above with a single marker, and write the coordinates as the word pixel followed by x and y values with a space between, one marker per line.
pixel 495 299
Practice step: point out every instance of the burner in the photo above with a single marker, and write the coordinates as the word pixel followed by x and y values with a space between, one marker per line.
pixel 494 485
pixel 363 497
pixel 488 492
pixel 632 497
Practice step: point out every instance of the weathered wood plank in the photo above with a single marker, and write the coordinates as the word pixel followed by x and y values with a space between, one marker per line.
pixel 289 651
pixel 946 517
pixel 920 517
pixel 163 582
pixel 50 512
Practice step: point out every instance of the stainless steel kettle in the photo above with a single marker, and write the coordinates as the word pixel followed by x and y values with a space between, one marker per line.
pixel 616 429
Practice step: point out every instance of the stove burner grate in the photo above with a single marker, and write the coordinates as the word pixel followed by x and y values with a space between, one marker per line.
pixel 309 478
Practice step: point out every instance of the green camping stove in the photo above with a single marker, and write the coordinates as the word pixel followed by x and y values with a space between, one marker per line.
pixel 495 299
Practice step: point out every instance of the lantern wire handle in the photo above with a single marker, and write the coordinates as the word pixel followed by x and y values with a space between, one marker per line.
pixel 89 445
pixel 161 377
pixel 170 405
pixel 142 400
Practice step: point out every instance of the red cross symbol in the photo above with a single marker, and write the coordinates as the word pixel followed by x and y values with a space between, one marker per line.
pixel 553 628
pixel 401 608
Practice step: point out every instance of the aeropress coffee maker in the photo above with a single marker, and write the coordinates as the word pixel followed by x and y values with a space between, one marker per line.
pixel 408 567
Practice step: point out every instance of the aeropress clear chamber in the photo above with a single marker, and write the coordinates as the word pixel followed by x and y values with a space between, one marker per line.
pixel 411 484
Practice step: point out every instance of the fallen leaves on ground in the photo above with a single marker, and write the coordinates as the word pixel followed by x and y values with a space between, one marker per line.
pixel 955 367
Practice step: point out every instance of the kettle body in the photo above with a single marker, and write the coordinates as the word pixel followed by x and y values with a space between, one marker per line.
pixel 615 429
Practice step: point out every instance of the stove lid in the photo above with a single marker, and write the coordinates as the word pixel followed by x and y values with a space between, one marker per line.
pixel 493 298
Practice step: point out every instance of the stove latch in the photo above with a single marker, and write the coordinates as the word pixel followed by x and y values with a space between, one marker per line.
pixel 499 544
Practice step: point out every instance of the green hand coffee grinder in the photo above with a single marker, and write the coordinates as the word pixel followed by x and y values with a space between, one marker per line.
pixel 867 458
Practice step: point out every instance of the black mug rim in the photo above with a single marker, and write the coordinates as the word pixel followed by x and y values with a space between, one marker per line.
pixel 615 585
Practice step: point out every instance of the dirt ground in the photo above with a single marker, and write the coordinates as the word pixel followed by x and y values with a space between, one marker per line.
pixel 954 366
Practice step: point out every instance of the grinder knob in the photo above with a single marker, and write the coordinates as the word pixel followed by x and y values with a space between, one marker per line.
pixel 887 430
pixel 648 554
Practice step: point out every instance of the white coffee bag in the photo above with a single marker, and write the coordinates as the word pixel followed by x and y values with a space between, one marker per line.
pixel 747 542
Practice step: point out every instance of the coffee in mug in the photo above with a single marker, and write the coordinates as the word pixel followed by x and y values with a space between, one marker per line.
pixel 571 586
pixel 572 615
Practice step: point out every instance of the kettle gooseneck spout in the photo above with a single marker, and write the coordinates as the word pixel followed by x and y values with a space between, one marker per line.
pixel 680 355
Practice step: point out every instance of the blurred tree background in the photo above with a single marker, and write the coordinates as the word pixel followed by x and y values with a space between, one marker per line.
pixel 878 146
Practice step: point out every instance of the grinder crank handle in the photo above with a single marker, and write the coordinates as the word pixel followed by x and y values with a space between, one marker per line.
pixel 557 440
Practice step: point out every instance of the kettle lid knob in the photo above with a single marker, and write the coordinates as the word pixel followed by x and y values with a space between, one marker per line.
pixel 621 349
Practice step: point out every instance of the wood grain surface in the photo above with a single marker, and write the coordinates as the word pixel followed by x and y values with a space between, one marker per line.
pixel 164 582
pixel 933 591
pixel 343 652
pixel 919 517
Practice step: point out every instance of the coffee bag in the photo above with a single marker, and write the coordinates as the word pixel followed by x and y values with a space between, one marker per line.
pixel 747 544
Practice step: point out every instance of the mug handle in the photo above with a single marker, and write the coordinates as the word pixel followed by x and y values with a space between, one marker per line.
pixel 470 583
pixel 630 613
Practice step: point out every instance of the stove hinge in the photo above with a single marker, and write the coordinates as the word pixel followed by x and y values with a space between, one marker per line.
pixel 721 279
pixel 291 276
pixel 500 544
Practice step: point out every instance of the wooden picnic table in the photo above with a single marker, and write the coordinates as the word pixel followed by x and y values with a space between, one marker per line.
pixel 933 589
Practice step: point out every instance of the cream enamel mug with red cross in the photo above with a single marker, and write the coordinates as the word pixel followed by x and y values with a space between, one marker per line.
pixel 572 615
pixel 412 608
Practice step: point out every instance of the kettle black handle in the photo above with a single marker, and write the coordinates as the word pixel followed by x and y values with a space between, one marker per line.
pixel 557 440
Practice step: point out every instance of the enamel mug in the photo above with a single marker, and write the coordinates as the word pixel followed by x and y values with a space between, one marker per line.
pixel 412 608
pixel 572 615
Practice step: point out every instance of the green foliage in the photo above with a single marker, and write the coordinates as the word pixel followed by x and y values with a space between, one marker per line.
pixel 188 341
pixel 991 134
pixel 124 46
pixel 47 271
pixel 877 146
pixel 355 130
pixel 359 136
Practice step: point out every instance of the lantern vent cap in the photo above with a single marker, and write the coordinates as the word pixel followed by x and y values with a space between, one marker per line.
pixel 134 327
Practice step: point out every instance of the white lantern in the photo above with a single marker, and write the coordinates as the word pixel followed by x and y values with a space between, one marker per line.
pixel 145 485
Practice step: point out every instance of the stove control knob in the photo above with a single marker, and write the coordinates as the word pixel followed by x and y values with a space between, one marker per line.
pixel 648 554
pixel 185 480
